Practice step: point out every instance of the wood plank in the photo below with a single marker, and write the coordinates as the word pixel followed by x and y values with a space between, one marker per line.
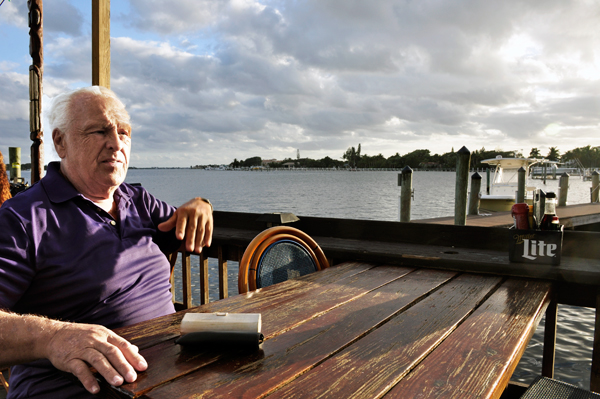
pixel 286 356
pixel 170 361
pixel 477 360
pixel 101 43
pixel 151 332
pixel 369 367
pixel 277 319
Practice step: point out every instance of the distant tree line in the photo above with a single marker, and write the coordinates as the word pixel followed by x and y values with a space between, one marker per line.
pixel 423 159
pixel 24 166
pixel 588 156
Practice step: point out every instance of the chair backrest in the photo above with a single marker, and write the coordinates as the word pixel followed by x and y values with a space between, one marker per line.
pixel 4 376
pixel 276 255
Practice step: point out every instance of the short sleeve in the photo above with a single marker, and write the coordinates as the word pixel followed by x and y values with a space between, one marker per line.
pixel 17 267
pixel 158 211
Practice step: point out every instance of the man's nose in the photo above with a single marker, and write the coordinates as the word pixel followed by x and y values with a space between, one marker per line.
pixel 113 140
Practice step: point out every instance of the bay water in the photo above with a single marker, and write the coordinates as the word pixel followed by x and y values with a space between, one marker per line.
pixel 371 195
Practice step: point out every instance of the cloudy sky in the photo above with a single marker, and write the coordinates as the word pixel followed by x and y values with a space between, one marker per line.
pixel 207 81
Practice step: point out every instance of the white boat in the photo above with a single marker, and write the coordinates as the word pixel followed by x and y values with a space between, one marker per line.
pixel 505 183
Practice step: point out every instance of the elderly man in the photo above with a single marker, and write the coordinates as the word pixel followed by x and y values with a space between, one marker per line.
pixel 81 253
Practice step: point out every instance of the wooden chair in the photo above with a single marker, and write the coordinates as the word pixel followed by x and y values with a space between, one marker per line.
pixel 4 375
pixel 278 254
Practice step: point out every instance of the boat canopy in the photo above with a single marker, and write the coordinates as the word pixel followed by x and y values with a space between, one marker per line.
pixel 506 174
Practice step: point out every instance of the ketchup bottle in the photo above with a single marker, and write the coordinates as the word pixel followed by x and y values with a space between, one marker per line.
pixel 520 213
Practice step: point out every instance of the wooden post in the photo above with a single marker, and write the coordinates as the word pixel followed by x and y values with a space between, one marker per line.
pixel 36 71
pixel 172 260
pixel 101 43
pixel 405 194
pixel 14 158
pixel 463 160
pixel 541 206
pixel 521 185
pixel 563 189
pixel 550 338
pixel 487 188
pixel 595 377
pixel 203 279
pixel 223 287
pixel 545 170
pixel 595 185
pixel 400 197
pixel 186 279
pixel 474 196
pixel 536 207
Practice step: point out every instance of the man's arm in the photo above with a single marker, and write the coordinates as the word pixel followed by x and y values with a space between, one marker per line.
pixel 192 221
pixel 70 347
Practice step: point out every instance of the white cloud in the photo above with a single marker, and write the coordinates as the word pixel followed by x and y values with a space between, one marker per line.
pixel 63 17
pixel 207 81
pixel 14 13
pixel 172 17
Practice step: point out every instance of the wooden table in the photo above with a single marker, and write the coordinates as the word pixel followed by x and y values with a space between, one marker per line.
pixel 354 331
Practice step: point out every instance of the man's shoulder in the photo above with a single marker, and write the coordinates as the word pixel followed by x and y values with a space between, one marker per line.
pixel 24 200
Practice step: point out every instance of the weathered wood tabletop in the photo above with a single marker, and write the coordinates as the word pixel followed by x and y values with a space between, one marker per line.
pixel 354 331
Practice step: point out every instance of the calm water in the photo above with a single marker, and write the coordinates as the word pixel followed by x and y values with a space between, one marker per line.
pixel 339 194
pixel 366 195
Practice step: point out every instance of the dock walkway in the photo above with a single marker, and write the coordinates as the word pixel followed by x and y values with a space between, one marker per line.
pixel 571 216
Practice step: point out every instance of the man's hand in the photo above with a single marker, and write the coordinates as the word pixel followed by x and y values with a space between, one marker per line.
pixel 194 222
pixel 74 347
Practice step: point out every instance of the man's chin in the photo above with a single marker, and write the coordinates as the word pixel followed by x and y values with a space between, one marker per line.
pixel 117 175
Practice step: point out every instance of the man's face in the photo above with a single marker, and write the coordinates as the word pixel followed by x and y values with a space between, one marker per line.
pixel 95 149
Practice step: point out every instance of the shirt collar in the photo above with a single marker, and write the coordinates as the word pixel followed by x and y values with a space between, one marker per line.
pixel 59 189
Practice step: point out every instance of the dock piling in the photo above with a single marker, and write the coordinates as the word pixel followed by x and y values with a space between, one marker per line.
pixel 521 185
pixel 595 186
pixel 474 194
pixel 463 161
pixel 544 179
pixel 14 156
pixel 405 193
pixel 563 189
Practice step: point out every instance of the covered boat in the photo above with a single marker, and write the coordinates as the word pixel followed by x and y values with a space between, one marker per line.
pixel 501 193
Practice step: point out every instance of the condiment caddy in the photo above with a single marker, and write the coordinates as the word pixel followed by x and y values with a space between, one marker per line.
pixel 537 233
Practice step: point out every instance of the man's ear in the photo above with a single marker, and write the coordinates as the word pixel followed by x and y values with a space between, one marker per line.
pixel 59 143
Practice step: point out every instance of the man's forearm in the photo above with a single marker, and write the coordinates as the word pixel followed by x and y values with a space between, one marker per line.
pixel 70 347
pixel 23 337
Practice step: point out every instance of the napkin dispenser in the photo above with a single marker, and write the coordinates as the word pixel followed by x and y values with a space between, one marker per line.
pixel 221 329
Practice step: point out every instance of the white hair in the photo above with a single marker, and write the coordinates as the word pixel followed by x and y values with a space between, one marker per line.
pixel 59 115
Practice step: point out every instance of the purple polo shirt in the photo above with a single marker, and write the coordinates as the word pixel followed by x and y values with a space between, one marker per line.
pixel 63 257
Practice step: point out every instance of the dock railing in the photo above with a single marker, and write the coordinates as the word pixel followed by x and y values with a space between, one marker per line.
pixel 459 248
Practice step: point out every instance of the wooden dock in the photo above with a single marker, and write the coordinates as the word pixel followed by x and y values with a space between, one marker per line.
pixel 571 216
